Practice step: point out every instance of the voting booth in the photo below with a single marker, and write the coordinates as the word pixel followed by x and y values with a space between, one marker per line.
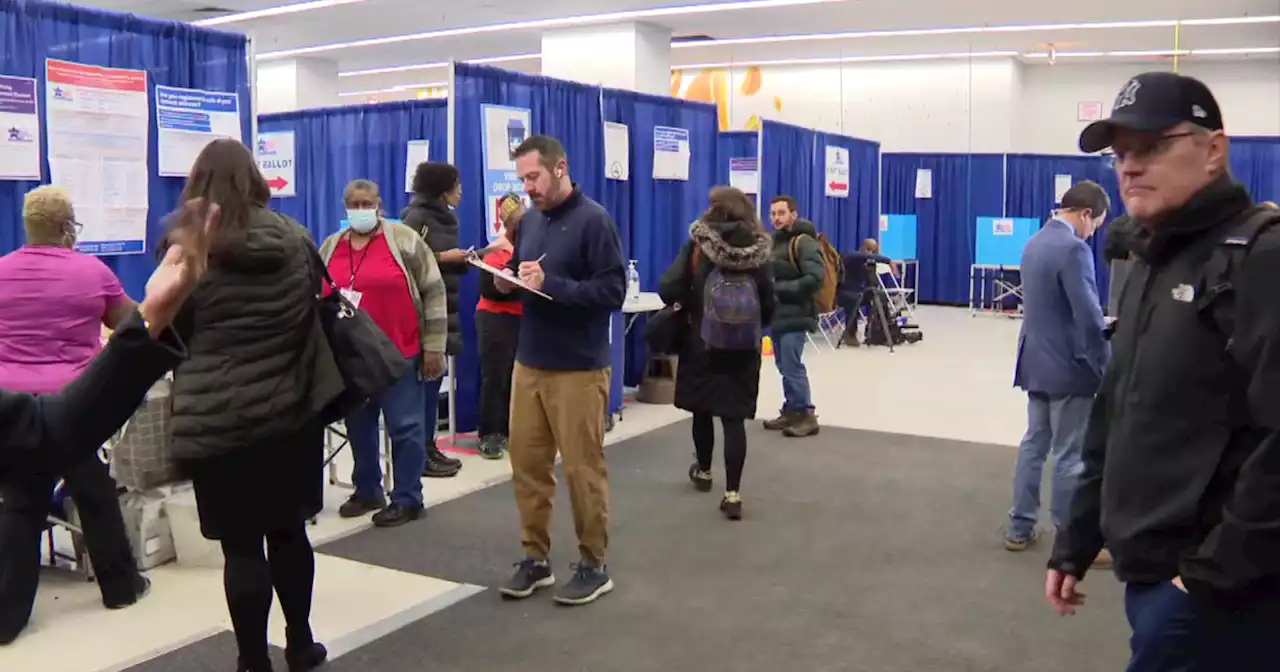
pixel 898 242
pixel 995 279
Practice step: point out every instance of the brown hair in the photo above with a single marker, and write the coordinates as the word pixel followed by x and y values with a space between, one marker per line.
pixel 730 204
pixel 226 174
pixel 783 198
pixel 549 150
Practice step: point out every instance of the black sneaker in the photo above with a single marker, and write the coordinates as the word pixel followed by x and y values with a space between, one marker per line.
pixel 141 590
pixel 589 583
pixel 355 506
pixel 700 478
pixel 439 465
pixel 306 658
pixel 492 446
pixel 731 505
pixel 531 576
pixel 398 514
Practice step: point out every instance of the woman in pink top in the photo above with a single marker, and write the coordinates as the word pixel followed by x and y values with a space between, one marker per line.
pixel 52 308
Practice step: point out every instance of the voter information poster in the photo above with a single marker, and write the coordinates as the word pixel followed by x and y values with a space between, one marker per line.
pixel 97 122
pixel 670 153
pixel 189 119
pixel 837 178
pixel 744 174
pixel 502 130
pixel 277 160
pixel 19 129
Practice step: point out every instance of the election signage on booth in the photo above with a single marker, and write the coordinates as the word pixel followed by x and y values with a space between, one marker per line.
pixel 189 119
pixel 670 153
pixel 277 159
pixel 502 130
pixel 19 129
pixel 98 120
pixel 617 151
pixel 744 174
pixel 837 179
pixel 416 152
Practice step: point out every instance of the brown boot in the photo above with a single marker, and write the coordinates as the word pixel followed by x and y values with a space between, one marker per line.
pixel 783 421
pixel 806 425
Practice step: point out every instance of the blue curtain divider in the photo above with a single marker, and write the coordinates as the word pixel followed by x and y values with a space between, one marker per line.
pixel 965 187
pixel 847 221
pixel 1255 163
pixel 653 216
pixel 734 145
pixel 338 144
pixel 787 167
pixel 568 111
pixel 172 54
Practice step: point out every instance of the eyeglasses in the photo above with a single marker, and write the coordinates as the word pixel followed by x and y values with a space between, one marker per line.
pixel 76 227
pixel 1145 147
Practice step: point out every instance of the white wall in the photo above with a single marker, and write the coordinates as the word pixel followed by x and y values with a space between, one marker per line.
pixel 994 105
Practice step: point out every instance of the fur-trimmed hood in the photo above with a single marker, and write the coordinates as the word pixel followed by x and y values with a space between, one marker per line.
pixel 735 246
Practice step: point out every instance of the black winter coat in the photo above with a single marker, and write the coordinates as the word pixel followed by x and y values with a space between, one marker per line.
pixel 436 223
pixel 719 383
pixel 255 370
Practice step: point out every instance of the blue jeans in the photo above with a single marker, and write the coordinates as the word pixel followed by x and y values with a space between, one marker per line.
pixel 1055 426
pixel 788 354
pixel 431 409
pixel 401 406
pixel 1173 632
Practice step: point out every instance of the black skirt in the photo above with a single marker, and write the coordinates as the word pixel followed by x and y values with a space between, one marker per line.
pixel 263 487
pixel 717 382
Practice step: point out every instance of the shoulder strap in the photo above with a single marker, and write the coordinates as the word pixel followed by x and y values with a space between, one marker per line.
pixel 1225 264
pixel 793 249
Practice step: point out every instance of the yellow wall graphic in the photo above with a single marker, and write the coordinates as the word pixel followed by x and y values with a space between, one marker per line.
pixel 712 85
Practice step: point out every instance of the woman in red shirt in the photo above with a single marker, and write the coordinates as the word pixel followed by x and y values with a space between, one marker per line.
pixel 498 329
pixel 385 269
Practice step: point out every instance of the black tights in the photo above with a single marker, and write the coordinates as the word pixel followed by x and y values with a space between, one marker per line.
pixel 735 446
pixel 289 566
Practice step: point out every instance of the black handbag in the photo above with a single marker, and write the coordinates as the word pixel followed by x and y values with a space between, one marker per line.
pixel 369 362
pixel 665 331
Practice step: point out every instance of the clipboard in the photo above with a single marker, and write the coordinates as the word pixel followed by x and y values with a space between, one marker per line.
pixel 498 272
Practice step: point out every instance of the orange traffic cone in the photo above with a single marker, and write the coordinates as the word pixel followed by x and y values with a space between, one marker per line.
pixel 766 347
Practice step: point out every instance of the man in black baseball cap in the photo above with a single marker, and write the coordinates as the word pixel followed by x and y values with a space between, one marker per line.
pixel 1182 454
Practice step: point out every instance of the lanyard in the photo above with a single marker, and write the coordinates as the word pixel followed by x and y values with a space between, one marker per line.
pixel 351 259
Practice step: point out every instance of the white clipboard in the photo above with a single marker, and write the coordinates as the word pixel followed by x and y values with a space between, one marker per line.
pixel 498 272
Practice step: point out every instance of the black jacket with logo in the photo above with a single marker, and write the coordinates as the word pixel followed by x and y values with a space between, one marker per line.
pixel 1182 453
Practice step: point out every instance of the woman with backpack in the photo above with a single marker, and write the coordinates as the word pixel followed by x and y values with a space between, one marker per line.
pixel 722 284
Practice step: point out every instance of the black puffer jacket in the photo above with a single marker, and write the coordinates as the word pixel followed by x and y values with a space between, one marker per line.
pixel 257 358
pixel 437 225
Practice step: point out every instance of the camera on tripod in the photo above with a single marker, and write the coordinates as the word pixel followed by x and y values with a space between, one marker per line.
pixel 886 320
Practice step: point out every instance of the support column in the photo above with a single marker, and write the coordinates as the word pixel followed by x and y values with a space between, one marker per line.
pixel 297 84
pixel 632 56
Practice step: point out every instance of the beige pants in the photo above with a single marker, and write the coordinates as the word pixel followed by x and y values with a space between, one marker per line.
pixel 562 410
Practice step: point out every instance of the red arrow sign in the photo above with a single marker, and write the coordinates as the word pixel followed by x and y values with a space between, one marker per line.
pixel 835 186
pixel 277 183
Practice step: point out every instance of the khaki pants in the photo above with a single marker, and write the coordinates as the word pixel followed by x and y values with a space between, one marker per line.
pixel 564 410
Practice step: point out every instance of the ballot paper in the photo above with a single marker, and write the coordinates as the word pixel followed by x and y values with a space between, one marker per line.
pixel 502 273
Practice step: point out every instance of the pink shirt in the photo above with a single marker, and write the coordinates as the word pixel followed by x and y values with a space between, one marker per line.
pixel 52 301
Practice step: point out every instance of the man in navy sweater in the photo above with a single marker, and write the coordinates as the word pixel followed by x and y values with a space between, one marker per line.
pixel 568 248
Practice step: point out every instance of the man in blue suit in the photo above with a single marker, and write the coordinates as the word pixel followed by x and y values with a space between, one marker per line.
pixel 1062 352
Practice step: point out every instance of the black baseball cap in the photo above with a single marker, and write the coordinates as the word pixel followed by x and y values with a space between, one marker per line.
pixel 1154 101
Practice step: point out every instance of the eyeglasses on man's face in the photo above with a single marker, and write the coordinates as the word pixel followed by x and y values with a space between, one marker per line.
pixel 1143 146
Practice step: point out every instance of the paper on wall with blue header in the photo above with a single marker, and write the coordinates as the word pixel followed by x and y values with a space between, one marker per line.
pixel 187 120
pixel 744 174
pixel 276 153
pixel 837 177
pixel 19 129
pixel 502 129
pixel 98 121
pixel 418 151
pixel 670 153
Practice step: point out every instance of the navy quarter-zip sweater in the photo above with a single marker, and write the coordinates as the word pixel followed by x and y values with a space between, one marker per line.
pixel 586 276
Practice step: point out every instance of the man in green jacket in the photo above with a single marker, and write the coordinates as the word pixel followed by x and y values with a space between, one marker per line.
pixel 798 275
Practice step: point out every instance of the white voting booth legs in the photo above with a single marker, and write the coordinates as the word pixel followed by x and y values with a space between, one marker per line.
pixel 995 278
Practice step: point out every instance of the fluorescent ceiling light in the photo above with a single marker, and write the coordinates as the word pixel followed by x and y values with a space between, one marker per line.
pixel 403 88
pixel 1235 51
pixel 973 30
pixel 439 64
pixel 542 24
pixel 273 11
pixel 852 59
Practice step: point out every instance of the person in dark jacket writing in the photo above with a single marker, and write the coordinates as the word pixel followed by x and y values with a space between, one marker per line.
pixel 568 248
pixel 436 192
pixel 1182 454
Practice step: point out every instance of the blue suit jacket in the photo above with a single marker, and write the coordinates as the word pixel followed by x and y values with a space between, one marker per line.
pixel 1062 349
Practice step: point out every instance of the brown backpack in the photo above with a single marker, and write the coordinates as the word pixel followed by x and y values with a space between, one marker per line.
pixel 832 266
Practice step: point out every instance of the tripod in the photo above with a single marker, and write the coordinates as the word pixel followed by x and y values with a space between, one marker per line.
pixel 877 300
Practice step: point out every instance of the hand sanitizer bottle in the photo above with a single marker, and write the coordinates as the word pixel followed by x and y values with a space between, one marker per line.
pixel 633 281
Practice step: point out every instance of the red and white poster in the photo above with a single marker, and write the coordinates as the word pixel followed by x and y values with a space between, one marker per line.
pixel 98 118
pixel 837 173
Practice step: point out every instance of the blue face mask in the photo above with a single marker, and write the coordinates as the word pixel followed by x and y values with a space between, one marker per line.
pixel 362 221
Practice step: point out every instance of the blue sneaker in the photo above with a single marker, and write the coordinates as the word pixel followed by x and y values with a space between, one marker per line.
pixel 589 583
pixel 531 575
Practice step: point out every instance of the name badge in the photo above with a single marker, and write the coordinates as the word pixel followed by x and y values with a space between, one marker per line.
pixel 352 296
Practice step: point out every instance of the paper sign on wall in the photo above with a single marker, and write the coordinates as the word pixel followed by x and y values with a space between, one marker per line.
pixel 1002 227
pixel 744 174
pixel 924 183
pixel 1061 184
pixel 670 153
pixel 419 151
pixel 189 119
pixel 884 222
pixel 617 151
pixel 502 130
pixel 98 121
pixel 1089 111
pixel 277 159
pixel 19 129
pixel 837 181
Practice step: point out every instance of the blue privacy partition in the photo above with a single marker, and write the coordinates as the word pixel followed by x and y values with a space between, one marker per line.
pixel 787 166
pixel 735 145
pixel 1000 239
pixel 1255 163
pixel 846 221
pixel 898 236
pixel 172 54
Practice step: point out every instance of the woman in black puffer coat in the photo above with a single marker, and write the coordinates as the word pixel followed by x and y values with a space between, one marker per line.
pixel 719 383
